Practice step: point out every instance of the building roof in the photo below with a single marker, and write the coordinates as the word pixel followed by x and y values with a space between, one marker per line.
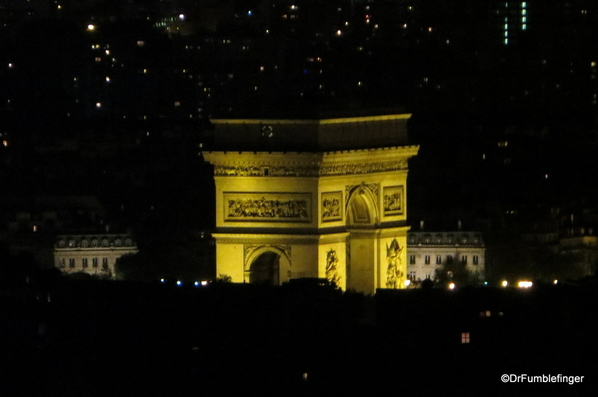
pixel 435 239
pixel 310 134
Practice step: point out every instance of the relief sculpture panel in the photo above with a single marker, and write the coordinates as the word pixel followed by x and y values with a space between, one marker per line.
pixel 393 200
pixel 267 207
pixel 332 206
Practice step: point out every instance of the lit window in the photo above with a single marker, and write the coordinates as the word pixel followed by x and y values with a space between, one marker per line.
pixel 465 337
pixel 140 43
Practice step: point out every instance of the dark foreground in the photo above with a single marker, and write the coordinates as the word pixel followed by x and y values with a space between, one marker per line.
pixel 116 338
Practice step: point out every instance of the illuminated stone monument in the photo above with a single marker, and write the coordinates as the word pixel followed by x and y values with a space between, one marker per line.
pixel 336 209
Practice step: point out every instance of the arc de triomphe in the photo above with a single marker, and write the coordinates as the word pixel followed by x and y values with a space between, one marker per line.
pixel 317 198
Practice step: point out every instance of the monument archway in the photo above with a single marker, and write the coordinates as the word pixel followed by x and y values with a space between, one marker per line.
pixel 265 269
pixel 266 264
pixel 330 212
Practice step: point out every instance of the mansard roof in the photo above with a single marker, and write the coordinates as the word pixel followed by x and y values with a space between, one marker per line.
pixel 450 238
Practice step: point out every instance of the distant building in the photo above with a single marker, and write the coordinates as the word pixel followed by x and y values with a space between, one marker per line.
pixel 428 251
pixel 582 242
pixel 92 254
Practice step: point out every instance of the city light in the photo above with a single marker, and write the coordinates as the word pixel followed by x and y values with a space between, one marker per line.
pixel 555 282
pixel 179 283
pixel 407 283
pixel 91 27
pixel 451 286
pixel 524 284
pixel 505 283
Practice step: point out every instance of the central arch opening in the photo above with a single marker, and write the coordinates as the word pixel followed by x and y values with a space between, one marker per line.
pixel 265 269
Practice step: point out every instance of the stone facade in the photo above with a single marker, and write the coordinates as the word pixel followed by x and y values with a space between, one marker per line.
pixel 429 251
pixel 92 254
pixel 339 215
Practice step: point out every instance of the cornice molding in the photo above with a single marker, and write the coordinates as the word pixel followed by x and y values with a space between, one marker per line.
pixel 281 164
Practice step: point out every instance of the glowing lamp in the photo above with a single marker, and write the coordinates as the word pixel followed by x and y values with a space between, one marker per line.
pixel 524 284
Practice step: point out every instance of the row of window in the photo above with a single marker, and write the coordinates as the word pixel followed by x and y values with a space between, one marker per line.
pixel 449 259
pixel 95 243
pixel 84 263
pixel 449 239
